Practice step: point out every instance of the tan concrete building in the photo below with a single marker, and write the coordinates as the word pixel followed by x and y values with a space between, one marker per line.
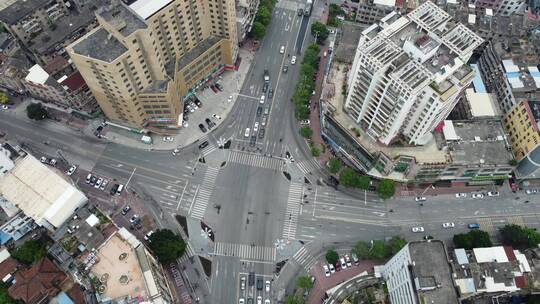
pixel 145 56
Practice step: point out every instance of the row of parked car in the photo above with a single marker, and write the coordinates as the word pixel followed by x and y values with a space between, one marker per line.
pixel 101 183
pixel 344 262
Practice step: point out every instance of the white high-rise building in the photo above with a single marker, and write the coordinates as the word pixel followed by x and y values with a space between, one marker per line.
pixel 408 74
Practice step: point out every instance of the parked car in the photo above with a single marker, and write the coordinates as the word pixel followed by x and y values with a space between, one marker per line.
pixel 216 116
pixel 247 132
pixel 210 123
pixel 270 93
pixel 126 208
pixel 198 103
pixel 243 283
pixel 417 229
pixel 326 271
pixel 168 138
pixel 267 286
pixel 256 127
pixel 88 178
pixel 305 122
pixel 493 193
pixel 261 133
pixel 348 260
pixel 219 86
pixel 478 195
pixel 265 87
pixel 44 160
pixel 262 99
pixel 293 60
pixel 71 170
pixel 531 191
pixel 202 128
pixel 332 268
pixel 461 195
pixel 229 99
pixel 103 184
pixel 134 219
pixel 448 225
pixel 52 162
pixel 148 235
pixel 474 226
pixel 259 111
pixel 420 199
pixel 355 259
pixel 259 300
pixel 259 284
pixel 93 180
pixel 114 188
pixel 98 183
pixel 343 263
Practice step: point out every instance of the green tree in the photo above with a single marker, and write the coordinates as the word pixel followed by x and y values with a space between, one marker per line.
pixel 167 246
pixel 292 299
pixel 304 283
pixel 378 250
pixel 258 30
pixel 5 298
pixel 362 250
pixel 331 256
pixel 4 98
pixel 519 236
pixel 395 244
pixel 363 182
pixel 306 132
pixel 36 111
pixel 30 251
pixel 386 188
pixel 334 165
pixel 264 15
pixel 315 152
pixel 472 239
pixel 320 31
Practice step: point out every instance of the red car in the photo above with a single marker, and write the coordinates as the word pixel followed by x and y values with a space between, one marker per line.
pixel 338 266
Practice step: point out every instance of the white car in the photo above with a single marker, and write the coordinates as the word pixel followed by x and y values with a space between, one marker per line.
pixel 267 301
pixel 175 151
pixel 259 300
pixel 168 138
pixel 267 286
pixel 229 99
pixel 305 122
pixel 418 229
pixel 43 160
pixel 216 116
pixel 71 170
pixel 326 271
pixel 241 301
pixel 148 235
pixel 461 195
pixel 262 99
pixel 98 183
pixel 493 193
pixel 531 191
pixel 256 127
pixel 478 195
pixel 52 162
pixel 282 49
pixel 103 184
pixel 243 283
pixel 246 134
pixel 293 60
pixel 332 268
pixel 448 225
pixel 420 199
pixel 343 263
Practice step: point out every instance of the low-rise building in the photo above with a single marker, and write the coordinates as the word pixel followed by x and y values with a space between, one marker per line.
pixel 127 271
pixel 419 273
pixel 521 123
pixel 492 270
pixel 40 85
pixel 245 16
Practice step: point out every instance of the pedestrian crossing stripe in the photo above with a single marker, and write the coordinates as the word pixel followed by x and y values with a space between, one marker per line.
pixel 308 165
pixel 487 225
pixel 517 220
pixel 303 258
pixel 204 193
pixel 254 160
pixel 245 251
pixel 293 208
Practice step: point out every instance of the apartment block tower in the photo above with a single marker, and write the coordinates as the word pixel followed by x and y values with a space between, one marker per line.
pixel 408 74
pixel 146 56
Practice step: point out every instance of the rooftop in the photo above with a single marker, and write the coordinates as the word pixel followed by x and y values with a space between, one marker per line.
pixel 482 104
pixel 19 9
pixel 146 8
pixel 202 47
pixel 74 81
pixel 99 44
pixel 157 86
pixel 431 269
pixel 122 18
pixel 41 280
pixel 481 142
pixel 37 74
pixel 40 192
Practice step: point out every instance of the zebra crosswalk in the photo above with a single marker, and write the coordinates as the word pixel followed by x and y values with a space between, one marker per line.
pixel 516 220
pixel 308 165
pixel 305 259
pixel 204 193
pixel 487 225
pixel 293 207
pixel 189 253
pixel 254 160
pixel 247 252
pixel 208 149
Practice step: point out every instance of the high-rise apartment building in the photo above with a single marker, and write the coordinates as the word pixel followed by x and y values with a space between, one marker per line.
pixel 145 56
pixel 408 73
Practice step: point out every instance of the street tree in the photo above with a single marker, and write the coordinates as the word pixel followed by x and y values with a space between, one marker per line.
pixel 332 257
pixel 30 251
pixel 334 165
pixel 386 189
pixel 258 30
pixel 304 282
pixel 519 236
pixel 315 152
pixel 378 250
pixel 5 298
pixel 4 98
pixel 306 132
pixel 292 299
pixel 320 31
pixel 36 111
pixel 395 244
pixel 349 178
pixel 362 250
pixel 167 246
pixel 472 239
pixel 264 15
pixel 363 182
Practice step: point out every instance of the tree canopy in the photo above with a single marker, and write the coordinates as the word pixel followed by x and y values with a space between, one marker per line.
pixel 5 298
pixel 519 236
pixel 331 256
pixel 379 249
pixel 30 251
pixel 36 111
pixel 304 282
pixel 306 132
pixel 386 188
pixel 334 165
pixel 166 245
pixel 4 98
pixel 258 30
pixel 320 31
pixel 350 178
pixel 472 239
pixel 292 299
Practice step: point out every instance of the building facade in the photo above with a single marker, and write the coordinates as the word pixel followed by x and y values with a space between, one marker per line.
pixel 521 123
pixel 245 15
pixel 145 57
pixel 408 74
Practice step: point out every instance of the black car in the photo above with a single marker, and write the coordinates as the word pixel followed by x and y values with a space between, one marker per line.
pixel 93 180
pixel 198 103
pixel 259 111
pixel 300 12
pixel 251 279
pixel 114 189
pixel 203 145
pixel 126 209
pixel 252 140
pixel 261 134
pixel 219 86
pixel 285 68
pixel 270 93
pixel 210 123
pixel 265 87
pixel 203 128
pixel 259 284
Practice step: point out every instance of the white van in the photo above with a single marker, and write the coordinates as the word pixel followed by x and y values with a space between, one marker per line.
pixel 246 134
pixel 119 190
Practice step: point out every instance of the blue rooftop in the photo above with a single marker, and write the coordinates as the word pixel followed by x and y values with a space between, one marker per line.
pixel 477 81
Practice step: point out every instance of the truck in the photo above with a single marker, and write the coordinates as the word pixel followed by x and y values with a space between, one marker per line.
pixel 146 139
pixel 266 76
pixel 307 8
